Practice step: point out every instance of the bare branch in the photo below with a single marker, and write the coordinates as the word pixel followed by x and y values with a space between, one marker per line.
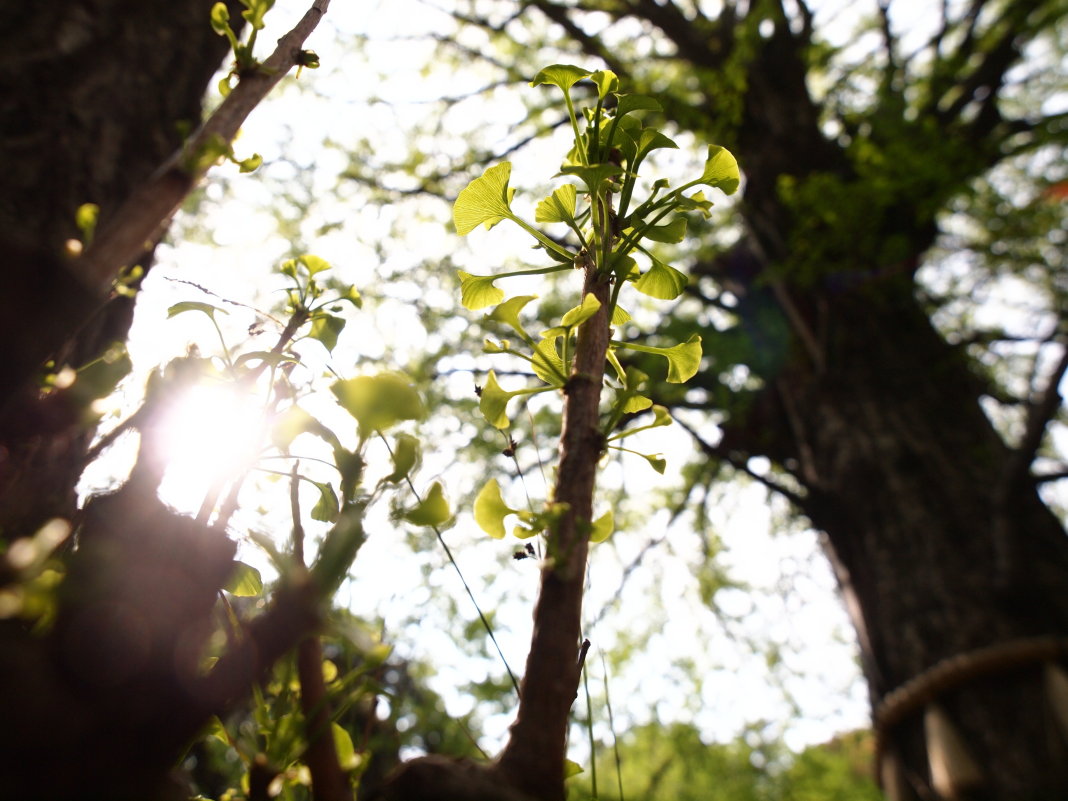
pixel 144 216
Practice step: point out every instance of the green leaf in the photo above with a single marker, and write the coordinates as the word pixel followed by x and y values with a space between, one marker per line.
pixel 251 164
pixel 547 364
pixel 683 359
pixel 490 509
pixel 607 82
pixel 620 316
pixel 593 175
pixel 629 103
pixel 338 550
pixel 220 19
pixel 581 313
pixel 563 75
pixel 494 402
pixel 245 581
pixel 636 403
pixel 256 11
pixel 347 757
pixel 696 202
pixel 326 328
pixel 484 201
pixel 721 170
pixel 674 231
pixel 193 305
pixel 656 461
pixel 661 281
pixel 603 527
pixel 405 457
pixel 557 207
pixel 571 769
pixel 508 313
pixel 352 295
pixel 313 264
pixel 326 508
pixel 651 139
pixel 433 510
pixel 478 291
pixel 379 401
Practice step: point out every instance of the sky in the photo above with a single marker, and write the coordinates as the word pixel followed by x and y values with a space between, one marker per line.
pixel 230 243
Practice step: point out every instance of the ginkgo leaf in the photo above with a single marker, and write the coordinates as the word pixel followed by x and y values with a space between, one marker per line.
pixel 379 401
pixel 405 456
pixel 620 316
pixel 674 231
pixel 478 291
pixel 193 305
pixel 314 264
pixel 593 175
pixel 245 581
pixel 347 757
pixel 557 207
pixel 581 313
pixel 547 364
pixel 326 328
pixel 563 75
pixel 696 202
pixel 636 403
pixel 683 359
pixel 433 510
pixel 661 281
pixel 721 170
pixel 484 201
pixel 651 139
pixel 607 82
pixel 490 509
pixel 508 313
pixel 493 402
pixel 602 527
pixel 629 103
pixel 656 461
pixel 326 509
pixel 571 769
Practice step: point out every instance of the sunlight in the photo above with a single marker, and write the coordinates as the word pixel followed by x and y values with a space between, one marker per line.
pixel 211 434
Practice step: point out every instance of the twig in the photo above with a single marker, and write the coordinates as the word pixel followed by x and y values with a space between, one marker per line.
pixel 146 213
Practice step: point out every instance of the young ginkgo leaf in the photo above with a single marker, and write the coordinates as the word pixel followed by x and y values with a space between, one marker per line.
pixel 602 527
pixel 433 510
pixel 563 75
pixel 484 201
pixel 721 170
pixel 478 291
pixel 557 207
pixel 490 509
pixel 581 313
pixel 661 281
pixel 508 313
pixel 379 401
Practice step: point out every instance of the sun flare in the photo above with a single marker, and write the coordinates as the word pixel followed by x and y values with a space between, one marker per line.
pixel 211 434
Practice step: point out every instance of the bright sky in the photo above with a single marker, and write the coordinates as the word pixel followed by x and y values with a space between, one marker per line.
pixel 235 245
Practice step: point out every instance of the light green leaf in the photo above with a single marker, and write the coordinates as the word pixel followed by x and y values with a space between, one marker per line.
pixel 721 170
pixel 295 422
pixel 504 346
pixel 493 402
pixel 620 316
pixel 483 201
pixel 603 527
pixel 548 365
pixel 557 207
pixel 433 510
pixel 661 281
pixel 220 19
pixel 684 360
pixel 347 757
pixel 508 313
pixel 251 164
pixel 405 456
pixel 256 11
pixel 571 769
pixel 607 82
pixel 193 305
pixel 314 264
pixel 326 508
pixel 581 313
pixel 379 401
pixel 656 461
pixel 636 403
pixel 563 75
pixel 478 291
pixel 696 202
pixel 490 509
pixel 326 328
pixel 245 581
pixel 674 231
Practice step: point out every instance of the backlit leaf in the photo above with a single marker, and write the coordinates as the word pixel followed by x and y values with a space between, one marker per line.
pixel 547 364
pixel 721 170
pixel 193 305
pixel 508 313
pixel 405 456
pixel 557 207
pixel 602 527
pixel 478 291
pixel 490 509
pixel 493 402
pixel 607 82
pixel 326 328
pixel 245 581
pixel 314 264
pixel 433 510
pixel 684 360
pixel 674 231
pixel 581 313
pixel 326 508
pixel 379 401
pixel 563 75
pixel 484 201
pixel 346 754
pixel 595 176
pixel 661 281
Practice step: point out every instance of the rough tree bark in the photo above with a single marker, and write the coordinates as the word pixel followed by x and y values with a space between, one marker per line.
pixel 936 531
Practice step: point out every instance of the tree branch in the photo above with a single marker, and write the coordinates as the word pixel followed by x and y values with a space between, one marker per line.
pixel 144 216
